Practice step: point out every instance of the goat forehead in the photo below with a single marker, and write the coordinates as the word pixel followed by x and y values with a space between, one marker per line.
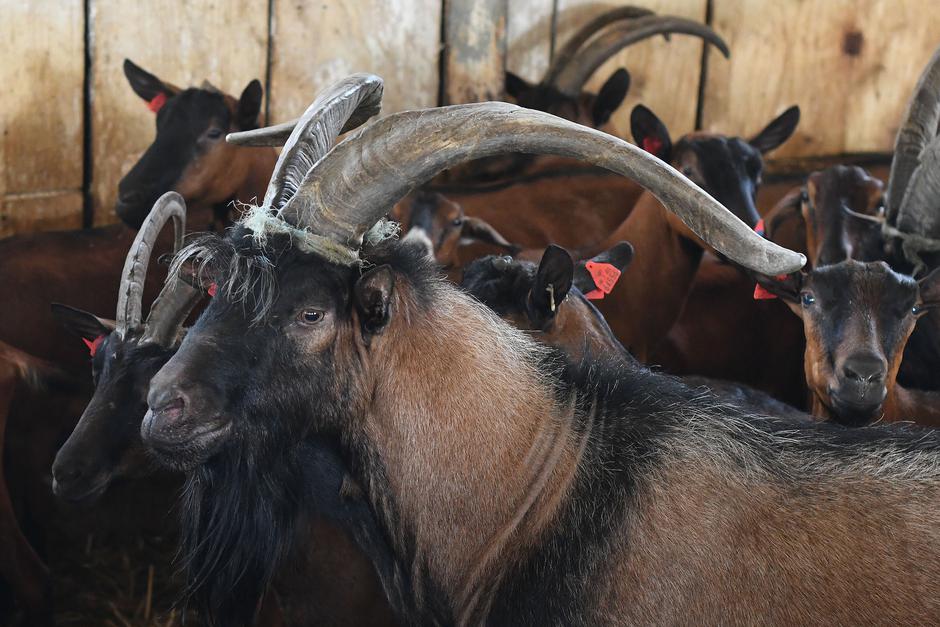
pixel 193 110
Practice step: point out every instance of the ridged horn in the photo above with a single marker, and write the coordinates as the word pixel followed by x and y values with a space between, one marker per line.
pixel 916 131
pixel 369 105
pixel 170 206
pixel 571 79
pixel 361 178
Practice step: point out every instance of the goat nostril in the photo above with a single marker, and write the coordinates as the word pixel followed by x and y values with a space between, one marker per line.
pixel 68 473
pixel 863 371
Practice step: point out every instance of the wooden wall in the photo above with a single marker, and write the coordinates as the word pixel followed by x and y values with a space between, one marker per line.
pixel 849 64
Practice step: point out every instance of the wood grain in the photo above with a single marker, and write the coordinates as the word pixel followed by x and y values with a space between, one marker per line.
pixel 317 43
pixel 181 41
pixel 849 64
pixel 529 38
pixel 475 50
pixel 41 114
pixel 664 75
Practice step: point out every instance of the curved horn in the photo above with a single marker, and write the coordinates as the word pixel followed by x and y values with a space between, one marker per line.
pixel 361 178
pixel 571 79
pixel 919 212
pixel 169 206
pixel 345 104
pixel 169 311
pixel 917 130
pixel 369 104
pixel 570 50
pixel 864 217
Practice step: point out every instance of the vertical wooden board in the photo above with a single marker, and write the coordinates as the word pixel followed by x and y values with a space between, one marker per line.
pixel 183 42
pixel 317 43
pixel 474 50
pixel 41 108
pixel 664 74
pixel 529 38
pixel 849 64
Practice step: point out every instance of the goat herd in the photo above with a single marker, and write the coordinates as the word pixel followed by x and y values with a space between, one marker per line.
pixel 455 423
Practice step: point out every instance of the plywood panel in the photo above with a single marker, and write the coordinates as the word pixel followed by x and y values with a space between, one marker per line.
pixel 181 41
pixel 664 75
pixel 529 37
pixel 475 50
pixel 316 43
pixel 849 64
pixel 41 109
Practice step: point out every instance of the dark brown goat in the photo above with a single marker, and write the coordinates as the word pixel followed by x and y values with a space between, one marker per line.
pixel 339 583
pixel 649 298
pixel 857 318
pixel 511 488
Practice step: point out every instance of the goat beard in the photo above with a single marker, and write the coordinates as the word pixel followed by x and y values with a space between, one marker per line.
pixel 238 517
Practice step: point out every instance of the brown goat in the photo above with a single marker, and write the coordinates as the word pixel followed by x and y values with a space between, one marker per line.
pixel 649 298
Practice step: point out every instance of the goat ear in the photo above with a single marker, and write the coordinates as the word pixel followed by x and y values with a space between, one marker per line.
pixel 82 323
pixel 552 283
pixel 515 85
pixel 249 106
pixel 650 133
pixel 145 84
pixel 477 230
pixel 597 276
pixel 929 287
pixel 610 97
pixel 786 287
pixel 373 297
pixel 778 131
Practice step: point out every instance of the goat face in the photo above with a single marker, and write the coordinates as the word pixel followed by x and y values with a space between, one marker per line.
pixel 857 318
pixel 256 374
pixel 189 154
pixel 727 168
pixel 105 443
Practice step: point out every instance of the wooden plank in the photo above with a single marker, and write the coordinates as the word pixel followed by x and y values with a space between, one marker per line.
pixel 42 211
pixel 664 75
pixel 181 41
pixel 317 43
pixel 474 50
pixel 529 38
pixel 41 109
pixel 849 64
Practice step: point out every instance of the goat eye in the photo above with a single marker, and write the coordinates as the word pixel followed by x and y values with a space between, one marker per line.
pixel 804 196
pixel 310 316
pixel 687 171
pixel 214 133
pixel 808 299
pixel 915 310
pixel 457 221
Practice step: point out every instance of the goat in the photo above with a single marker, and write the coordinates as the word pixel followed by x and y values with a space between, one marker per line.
pixel 857 313
pixel 649 298
pixel 105 444
pixel 419 380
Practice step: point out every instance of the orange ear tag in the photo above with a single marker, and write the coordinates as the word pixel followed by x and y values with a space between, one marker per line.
pixel 605 277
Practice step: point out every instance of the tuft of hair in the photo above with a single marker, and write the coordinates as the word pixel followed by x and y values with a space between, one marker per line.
pixel 241 267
